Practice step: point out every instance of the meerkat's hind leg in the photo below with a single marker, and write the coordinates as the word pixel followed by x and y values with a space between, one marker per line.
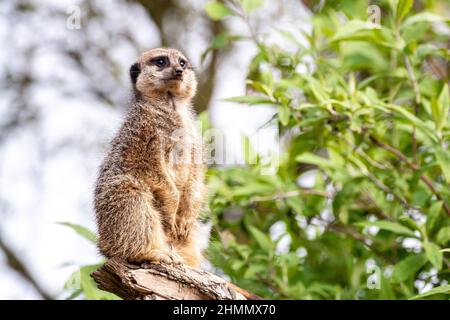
pixel 158 249
pixel 130 227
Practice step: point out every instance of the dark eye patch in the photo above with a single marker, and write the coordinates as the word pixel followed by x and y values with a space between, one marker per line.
pixel 161 61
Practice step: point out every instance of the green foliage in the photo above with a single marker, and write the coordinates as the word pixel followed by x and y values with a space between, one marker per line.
pixel 251 5
pixel 369 121
pixel 217 11
pixel 82 231
pixel 80 282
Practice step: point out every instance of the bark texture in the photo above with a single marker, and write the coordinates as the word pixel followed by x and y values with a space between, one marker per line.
pixel 165 282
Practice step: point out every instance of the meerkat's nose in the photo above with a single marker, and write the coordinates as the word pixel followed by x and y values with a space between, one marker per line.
pixel 178 72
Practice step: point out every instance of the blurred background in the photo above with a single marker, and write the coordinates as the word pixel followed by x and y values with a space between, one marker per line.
pixel 63 92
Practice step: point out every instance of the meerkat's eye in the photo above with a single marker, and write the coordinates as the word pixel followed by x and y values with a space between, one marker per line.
pixel 183 63
pixel 160 62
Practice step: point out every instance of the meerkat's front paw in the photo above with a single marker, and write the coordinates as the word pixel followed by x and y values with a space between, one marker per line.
pixel 164 256
pixel 181 230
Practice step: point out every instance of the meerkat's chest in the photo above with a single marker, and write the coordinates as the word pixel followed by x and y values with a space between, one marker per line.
pixel 184 153
pixel 184 156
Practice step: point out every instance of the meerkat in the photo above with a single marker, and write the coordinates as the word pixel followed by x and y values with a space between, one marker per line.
pixel 150 186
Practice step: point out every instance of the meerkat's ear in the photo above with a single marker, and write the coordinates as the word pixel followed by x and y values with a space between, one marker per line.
pixel 135 70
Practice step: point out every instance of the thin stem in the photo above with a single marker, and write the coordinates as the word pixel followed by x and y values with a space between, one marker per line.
pixel 272 285
pixel 412 78
pixel 290 194
pixel 415 85
pixel 244 16
pixel 379 183
pixel 379 213
pixel 352 233
pixel 414 167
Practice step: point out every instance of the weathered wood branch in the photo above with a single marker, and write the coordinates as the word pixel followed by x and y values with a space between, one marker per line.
pixel 165 282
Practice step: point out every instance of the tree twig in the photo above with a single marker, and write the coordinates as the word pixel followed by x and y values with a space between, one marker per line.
pixel 290 194
pixel 416 89
pixel 414 167
pixel 355 235
pixel 19 266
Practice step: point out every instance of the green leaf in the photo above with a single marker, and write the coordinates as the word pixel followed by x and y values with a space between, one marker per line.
pixel 89 287
pixel 284 114
pixel 408 222
pixel 443 236
pixel 290 37
pixel 433 254
pixel 433 214
pixel 444 105
pixel 74 294
pixel 316 88
pixel 221 40
pixel 403 8
pixel 296 204
pixel 311 158
pixel 250 154
pixel 250 5
pixel 393 4
pixel 443 159
pixel 357 30
pixel 73 282
pixel 262 239
pixel 217 10
pixel 254 269
pixel 441 289
pixel 408 267
pixel 251 100
pixel 389 226
pixel 252 188
pixel 353 29
pixel 440 109
pixel 82 231
pixel 422 17
pixel 411 118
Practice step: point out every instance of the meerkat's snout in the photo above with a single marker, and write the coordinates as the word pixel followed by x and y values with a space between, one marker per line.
pixel 178 73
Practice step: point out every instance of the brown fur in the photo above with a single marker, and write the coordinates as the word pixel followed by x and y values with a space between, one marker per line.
pixel 146 200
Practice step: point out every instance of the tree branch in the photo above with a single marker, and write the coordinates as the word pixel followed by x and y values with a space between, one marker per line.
pixel 19 266
pixel 165 282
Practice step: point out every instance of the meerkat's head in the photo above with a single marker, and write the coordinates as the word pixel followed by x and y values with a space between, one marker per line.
pixel 160 71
